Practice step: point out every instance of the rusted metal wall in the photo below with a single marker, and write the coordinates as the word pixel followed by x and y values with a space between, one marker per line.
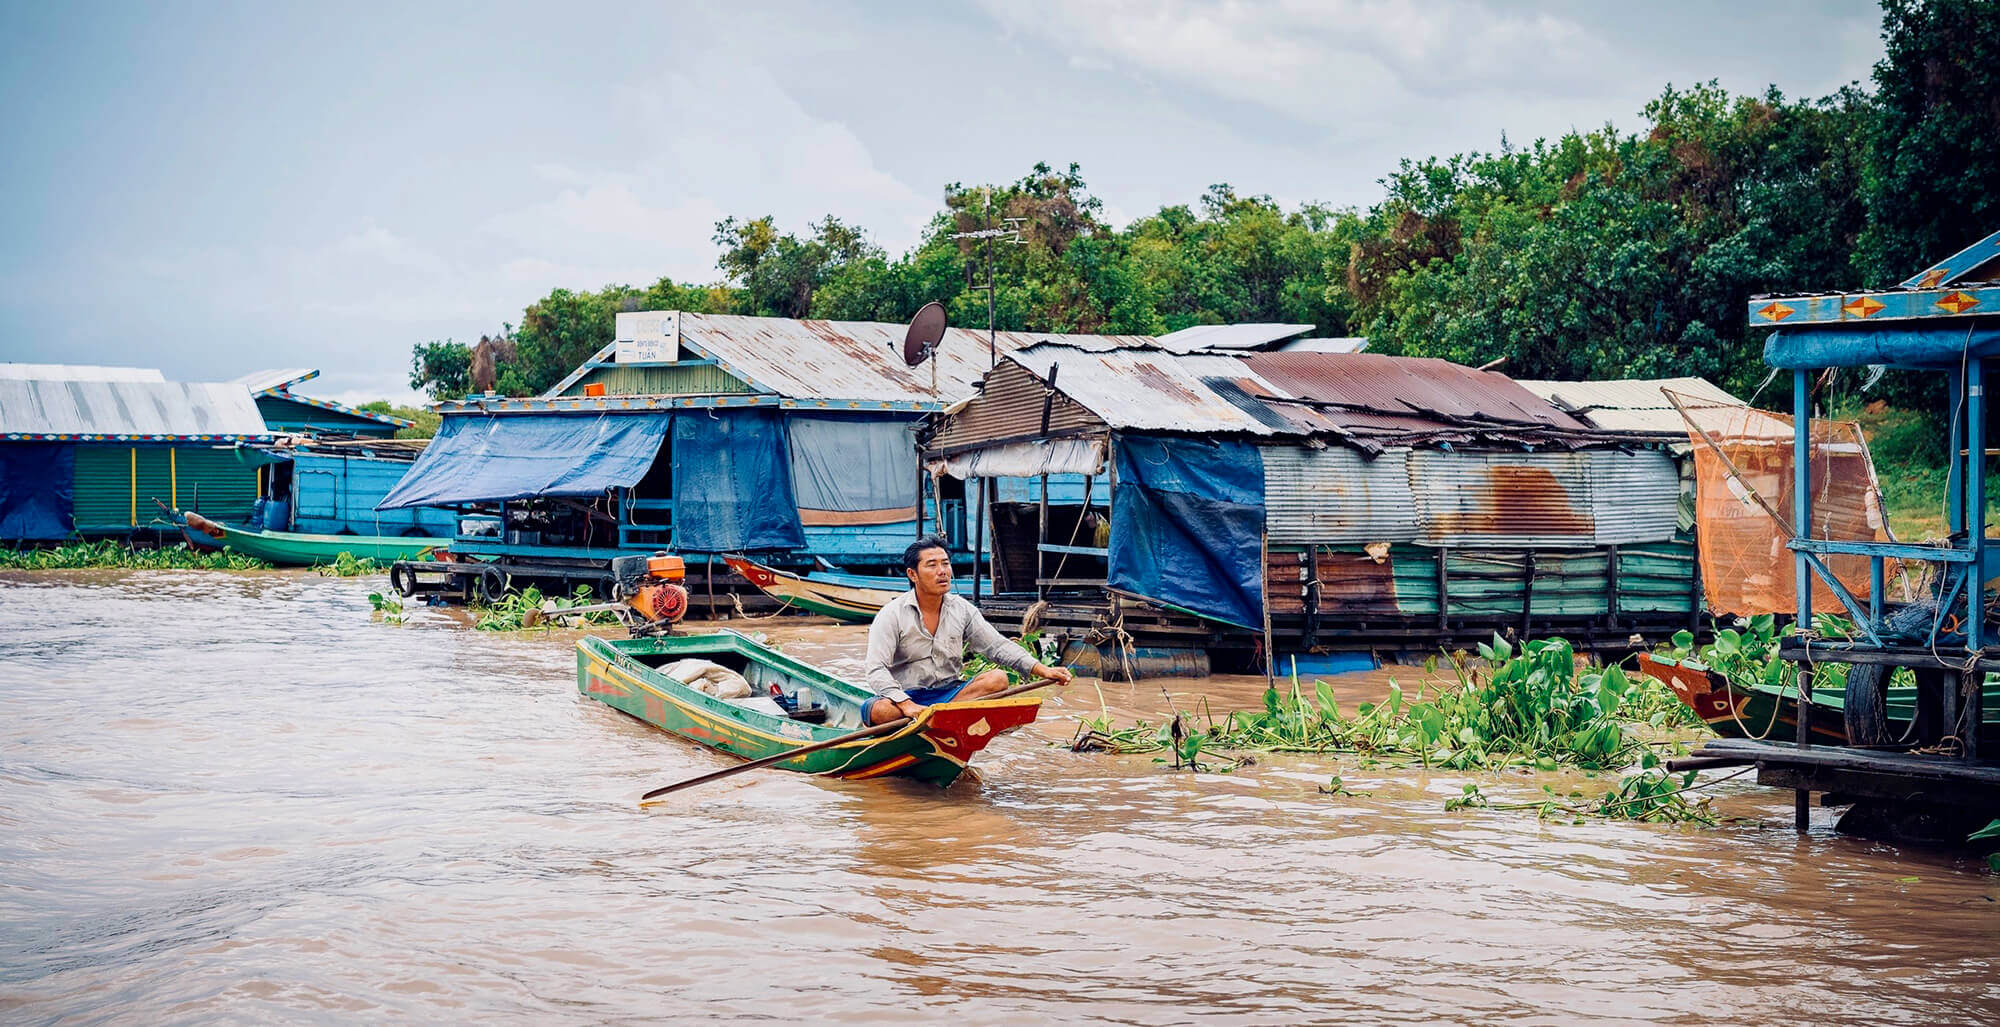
pixel 1334 495
pixel 1529 500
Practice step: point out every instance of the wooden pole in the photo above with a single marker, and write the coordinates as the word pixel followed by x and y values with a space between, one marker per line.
pixel 978 539
pixel 1264 594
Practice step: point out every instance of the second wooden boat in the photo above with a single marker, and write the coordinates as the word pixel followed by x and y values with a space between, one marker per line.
pixel 850 597
pixel 1765 712
pixel 293 549
pixel 791 705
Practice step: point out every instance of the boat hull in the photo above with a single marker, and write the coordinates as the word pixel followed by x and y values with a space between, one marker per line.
pixel 295 549
pixel 846 602
pixel 1734 710
pixel 935 747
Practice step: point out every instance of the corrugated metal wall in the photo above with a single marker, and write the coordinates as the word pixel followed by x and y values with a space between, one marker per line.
pixel 695 380
pixel 1634 497
pixel 1010 408
pixel 1333 495
pixel 1529 500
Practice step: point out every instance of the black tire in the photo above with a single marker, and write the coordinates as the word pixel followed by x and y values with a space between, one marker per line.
pixel 491 584
pixel 403 578
pixel 1865 704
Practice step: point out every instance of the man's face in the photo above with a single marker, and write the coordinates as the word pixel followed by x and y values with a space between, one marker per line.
pixel 933 574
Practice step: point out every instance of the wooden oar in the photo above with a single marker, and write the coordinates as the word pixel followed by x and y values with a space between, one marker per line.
pixel 880 729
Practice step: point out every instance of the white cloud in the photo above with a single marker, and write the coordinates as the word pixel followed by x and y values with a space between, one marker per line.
pixel 1328 62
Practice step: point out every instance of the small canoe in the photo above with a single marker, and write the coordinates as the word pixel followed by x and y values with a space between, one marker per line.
pixel 792 704
pixel 850 597
pixel 1736 710
pixel 295 549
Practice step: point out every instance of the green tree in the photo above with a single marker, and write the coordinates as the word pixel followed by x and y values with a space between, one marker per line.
pixel 441 369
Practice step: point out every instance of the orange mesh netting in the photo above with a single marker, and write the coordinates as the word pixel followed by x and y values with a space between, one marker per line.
pixel 1743 455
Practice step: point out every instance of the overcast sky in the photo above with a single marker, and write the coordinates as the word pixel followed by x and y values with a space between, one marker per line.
pixel 214 188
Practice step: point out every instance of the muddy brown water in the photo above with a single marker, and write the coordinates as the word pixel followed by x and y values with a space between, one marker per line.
pixel 233 796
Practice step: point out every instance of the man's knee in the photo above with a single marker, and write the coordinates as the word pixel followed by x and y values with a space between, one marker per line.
pixel 986 682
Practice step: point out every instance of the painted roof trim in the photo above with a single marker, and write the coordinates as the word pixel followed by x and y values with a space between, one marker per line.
pixel 649 404
pixel 1958 266
pixel 338 408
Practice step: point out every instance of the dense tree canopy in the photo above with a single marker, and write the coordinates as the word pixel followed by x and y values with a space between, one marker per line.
pixel 1600 254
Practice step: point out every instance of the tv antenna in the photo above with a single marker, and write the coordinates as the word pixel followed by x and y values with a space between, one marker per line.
pixel 1012 232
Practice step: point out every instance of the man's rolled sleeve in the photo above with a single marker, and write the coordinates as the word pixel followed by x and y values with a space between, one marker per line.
pixel 984 639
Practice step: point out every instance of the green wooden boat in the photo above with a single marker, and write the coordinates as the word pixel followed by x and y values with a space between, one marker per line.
pixel 1736 709
pixel 792 705
pixel 294 549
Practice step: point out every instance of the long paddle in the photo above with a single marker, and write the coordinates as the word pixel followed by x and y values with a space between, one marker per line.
pixel 880 729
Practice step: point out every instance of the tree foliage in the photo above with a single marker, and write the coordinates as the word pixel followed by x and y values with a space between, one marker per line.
pixel 1599 254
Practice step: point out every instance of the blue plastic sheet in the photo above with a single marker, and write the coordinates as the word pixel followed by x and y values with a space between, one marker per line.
pixel 484 459
pixel 733 483
pixel 1931 347
pixel 1187 526
pixel 37 490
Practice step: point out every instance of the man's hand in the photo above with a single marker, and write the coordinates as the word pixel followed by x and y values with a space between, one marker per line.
pixel 1048 673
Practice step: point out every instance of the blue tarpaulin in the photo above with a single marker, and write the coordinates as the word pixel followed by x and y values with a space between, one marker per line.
pixel 514 456
pixel 1929 347
pixel 1187 526
pixel 37 490
pixel 854 466
pixel 733 483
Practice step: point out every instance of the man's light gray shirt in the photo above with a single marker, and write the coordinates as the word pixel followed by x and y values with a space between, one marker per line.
pixel 902 655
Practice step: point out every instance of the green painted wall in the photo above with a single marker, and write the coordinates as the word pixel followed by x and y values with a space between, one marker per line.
pixel 223 478
pixel 691 380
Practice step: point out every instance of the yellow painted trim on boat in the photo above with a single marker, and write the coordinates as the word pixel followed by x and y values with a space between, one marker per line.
pixel 884 767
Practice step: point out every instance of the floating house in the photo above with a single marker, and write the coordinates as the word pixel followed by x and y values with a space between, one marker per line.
pixel 332 464
pixel 91 450
pixel 707 434
pixel 1346 500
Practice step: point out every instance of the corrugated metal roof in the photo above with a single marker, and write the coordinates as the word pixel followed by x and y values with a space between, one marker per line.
pixel 1153 389
pixel 1345 344
pixel 855 360
pixel 44 408
pixel 1371 391
pixel 1236 336
pixel 276 378
pixel 1631 404
pixel 79 373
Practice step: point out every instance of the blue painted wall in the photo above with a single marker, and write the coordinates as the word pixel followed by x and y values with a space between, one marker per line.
pixel 333 494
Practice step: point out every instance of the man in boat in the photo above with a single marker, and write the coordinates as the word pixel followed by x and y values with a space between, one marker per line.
pixel 916 647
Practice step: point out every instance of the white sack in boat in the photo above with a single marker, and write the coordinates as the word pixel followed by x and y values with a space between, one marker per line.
pixel 712 678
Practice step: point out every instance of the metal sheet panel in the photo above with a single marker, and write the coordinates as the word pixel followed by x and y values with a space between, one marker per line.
pixel 1632 404
pixel 1156 390
pixel 1236 336
pixel 856 360
pixel 1334 495
pixel 1634 496
pixel 100 409
pixel 681 380
pixel 276 378
pixel 1515 500
pixel 80 373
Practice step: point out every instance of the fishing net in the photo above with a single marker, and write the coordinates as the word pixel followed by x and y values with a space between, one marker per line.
pixel 1743 461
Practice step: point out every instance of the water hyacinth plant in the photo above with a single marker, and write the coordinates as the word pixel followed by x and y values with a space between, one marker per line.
pixel 108 553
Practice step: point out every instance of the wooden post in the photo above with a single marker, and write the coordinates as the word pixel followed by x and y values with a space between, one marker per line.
pixel 1264 594
pixel 1042 529
pixel 1972 708
pixel 1444 590
pixel 134 451
pixel 978 538
pixel 1612 584
pixel 920 500
pixel 174 476
pixel 1527 594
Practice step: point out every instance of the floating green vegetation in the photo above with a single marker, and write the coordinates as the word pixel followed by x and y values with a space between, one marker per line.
pixel 1525 707
pixel 1748 654
pixel 519 610
pixel 390 607
pixel 347 565
pixel 1651 795
pixel 108 553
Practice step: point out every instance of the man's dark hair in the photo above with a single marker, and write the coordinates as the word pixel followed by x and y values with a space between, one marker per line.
pixel 915 551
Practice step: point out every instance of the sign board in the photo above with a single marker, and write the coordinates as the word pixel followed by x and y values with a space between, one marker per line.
pixel 647 337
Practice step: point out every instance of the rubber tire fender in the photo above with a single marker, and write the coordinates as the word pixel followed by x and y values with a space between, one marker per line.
pixel 403 578
pixel 491 584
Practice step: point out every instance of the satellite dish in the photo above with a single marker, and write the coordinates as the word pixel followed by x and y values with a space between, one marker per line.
pixel 926 331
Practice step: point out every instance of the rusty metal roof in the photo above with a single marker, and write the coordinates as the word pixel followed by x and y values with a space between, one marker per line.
pixel 1150 388
pixel 855 360
pixel 1373 391
pixel 1632 404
